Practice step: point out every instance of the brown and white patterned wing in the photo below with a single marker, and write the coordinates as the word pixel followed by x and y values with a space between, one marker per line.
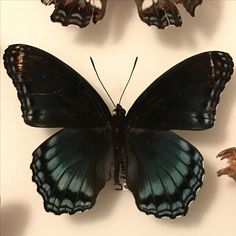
pixel 162 13
pixel 77 12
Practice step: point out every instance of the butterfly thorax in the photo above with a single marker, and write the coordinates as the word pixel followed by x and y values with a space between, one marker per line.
pixel 118 127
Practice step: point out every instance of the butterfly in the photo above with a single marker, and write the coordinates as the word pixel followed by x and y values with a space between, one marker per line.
pixel 160 13
pixel 162 170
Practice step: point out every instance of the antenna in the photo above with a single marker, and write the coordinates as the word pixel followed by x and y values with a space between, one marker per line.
pixel 91 59
pixel 135 62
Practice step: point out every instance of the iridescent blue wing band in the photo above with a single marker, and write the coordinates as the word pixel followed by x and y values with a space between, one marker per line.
pixel 71 168
pixel 164 172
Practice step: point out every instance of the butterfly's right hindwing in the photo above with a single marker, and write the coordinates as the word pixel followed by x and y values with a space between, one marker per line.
pixel 71 168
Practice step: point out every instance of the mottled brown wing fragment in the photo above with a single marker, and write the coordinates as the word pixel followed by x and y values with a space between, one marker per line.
pixel 190 5
pixel 48 2
pixel 162 13
pixel 77 12
pixel 230 170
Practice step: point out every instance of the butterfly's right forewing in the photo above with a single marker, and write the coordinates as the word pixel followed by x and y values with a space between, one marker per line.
pixel 51 93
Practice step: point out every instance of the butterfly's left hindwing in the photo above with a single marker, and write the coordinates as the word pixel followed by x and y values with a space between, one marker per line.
pixel 71 168
pixel 186 96
pixel 164 172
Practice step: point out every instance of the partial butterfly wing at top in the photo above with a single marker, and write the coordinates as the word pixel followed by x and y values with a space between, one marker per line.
pixel 162 13
pixel 77 12
pixel 230 155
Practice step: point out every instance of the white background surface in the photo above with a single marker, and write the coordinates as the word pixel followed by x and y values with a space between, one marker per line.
pixel 114 43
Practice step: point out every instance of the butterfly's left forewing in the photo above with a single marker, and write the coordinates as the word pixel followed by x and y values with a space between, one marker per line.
pixel 185 97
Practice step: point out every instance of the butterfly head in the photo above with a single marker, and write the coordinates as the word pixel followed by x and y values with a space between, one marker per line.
pixel 118 111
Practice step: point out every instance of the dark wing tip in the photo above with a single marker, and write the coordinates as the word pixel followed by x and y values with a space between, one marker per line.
pixel 10 57
pixel 222 69
pixel 14 63
pixel 221 66
pixel 226 62
pixel 14 57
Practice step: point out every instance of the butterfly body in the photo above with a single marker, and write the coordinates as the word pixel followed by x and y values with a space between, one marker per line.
pixel 161 169
pixel 118 129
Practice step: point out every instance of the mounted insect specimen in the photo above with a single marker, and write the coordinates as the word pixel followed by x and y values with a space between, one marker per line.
pixel 162 170
pixel 160 13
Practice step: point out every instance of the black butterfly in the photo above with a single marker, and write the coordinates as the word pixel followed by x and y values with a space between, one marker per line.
pixel 160 13
pixel 162 170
